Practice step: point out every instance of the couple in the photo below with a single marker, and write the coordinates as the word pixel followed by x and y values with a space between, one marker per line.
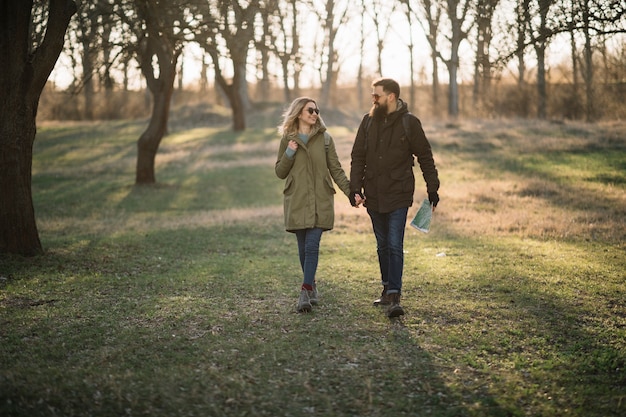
pixel 381 178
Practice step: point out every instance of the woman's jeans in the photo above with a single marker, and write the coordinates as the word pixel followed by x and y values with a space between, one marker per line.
pixel 309 251
pixel 389 232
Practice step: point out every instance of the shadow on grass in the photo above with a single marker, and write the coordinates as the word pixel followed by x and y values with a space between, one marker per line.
pixel 201 320
pixel 574 170
pixel 525 323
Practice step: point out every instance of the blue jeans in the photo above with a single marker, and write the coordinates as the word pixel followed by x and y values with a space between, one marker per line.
pixel 389 232
pixel 309 251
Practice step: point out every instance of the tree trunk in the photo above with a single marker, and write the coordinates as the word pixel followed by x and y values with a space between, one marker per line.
pixel 23 75
pixel 88 84
pixel 457 36
pixel 162 89
pixel 285 64
pixel 541 82
pixel 330 31
pixel 238 100
pixel 540 49
pixel 232 90
pixel 18 228
pixel 411 46
pixel 435 86
pixel 150 139
pixel 453 89
pixel 588 72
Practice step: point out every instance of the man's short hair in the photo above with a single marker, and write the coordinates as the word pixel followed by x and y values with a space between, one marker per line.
pixel 389 85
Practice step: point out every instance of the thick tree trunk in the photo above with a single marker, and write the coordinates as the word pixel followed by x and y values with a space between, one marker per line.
pixel 158 57
pixel 232 90
pixel 18 229
pixel 239 113
pixel 23 75
pixel 150 140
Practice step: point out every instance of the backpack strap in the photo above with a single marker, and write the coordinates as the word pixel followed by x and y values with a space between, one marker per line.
pixel 326 141
pixel 405 125
pixel 368 123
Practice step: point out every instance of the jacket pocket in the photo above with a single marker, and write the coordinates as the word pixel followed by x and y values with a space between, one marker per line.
pixel 329 184
pixel 289 187
pixel 404 179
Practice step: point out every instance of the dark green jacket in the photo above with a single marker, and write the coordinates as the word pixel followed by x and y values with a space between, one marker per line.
pixel 309 191
pixel 382 166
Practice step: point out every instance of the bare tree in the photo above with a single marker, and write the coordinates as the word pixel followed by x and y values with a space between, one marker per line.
pixel 485 10
pixel 359 76
pixel 432 12
pixel 263 47
pixel 380 15
pixel 30 44
pixel 227 36
pixel 282 38
pixel 594 19
pixel 333 18
pixel 458 12
pixel 160 44
pixel 90 48
pixel 521 28
pixel 85 28
pixel 541 34
pixel 409 14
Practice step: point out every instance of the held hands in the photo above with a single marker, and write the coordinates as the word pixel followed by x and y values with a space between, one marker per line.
pixel 356 198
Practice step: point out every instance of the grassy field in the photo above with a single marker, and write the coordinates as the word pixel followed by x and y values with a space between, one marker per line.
pixel 179 299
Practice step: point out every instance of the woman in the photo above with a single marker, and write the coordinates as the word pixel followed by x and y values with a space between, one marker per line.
pixel 307 159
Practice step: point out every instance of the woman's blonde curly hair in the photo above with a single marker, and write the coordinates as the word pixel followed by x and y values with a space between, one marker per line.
pixel 290 116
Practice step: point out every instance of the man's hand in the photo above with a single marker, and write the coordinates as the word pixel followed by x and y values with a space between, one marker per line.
pixel 356 198
pixel 433 197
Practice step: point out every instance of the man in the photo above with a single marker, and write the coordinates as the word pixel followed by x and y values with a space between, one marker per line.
pixel 381 176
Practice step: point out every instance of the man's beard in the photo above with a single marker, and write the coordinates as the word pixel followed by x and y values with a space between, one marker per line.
pixel 378 112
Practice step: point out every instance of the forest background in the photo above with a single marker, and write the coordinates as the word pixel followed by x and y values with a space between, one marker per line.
pixel 156 297
pixel 262 51
pixel 559 59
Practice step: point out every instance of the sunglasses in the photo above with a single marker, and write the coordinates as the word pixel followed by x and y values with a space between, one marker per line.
pixel 377 96
pixel 311 110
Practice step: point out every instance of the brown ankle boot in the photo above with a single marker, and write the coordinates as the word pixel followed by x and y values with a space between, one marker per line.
pixel 384 299
pixel 395 309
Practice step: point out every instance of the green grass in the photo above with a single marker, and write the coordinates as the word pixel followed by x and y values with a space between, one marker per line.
pixel 178 299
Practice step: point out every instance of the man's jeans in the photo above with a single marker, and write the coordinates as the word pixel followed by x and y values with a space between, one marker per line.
pixel 309 250
pixel 389 232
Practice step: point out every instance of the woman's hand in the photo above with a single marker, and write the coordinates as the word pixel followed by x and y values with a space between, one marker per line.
pixel 293 145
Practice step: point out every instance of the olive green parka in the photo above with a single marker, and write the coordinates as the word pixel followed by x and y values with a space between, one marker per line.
pixel 309 191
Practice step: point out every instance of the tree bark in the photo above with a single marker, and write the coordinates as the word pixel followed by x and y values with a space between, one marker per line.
pixel 540 45
pixel 458 35
pixel 238 44
pixel 150 139
pixel 162 88
pixel 588 69
pixel 24 71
